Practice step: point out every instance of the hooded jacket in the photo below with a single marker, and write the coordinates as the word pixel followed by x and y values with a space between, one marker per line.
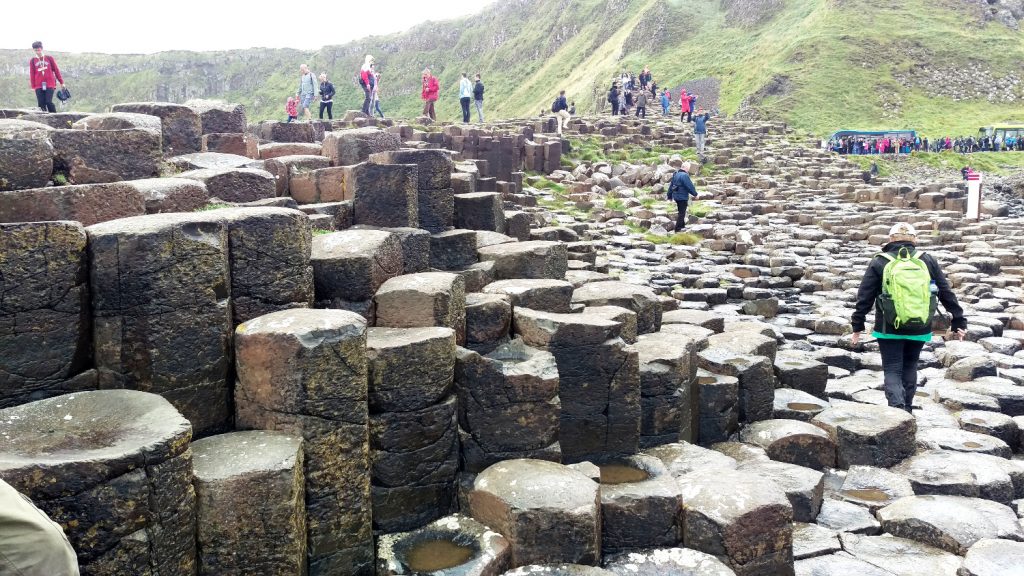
pixel 681 187
pixel 871 287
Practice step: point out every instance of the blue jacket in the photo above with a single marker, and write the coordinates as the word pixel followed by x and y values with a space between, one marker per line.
pixel 700 124
pixel 681 187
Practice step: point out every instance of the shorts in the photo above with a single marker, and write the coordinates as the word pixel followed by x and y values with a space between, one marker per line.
pixel 305 101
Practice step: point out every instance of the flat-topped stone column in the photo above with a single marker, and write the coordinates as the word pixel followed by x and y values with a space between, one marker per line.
pixel 304 372
pixel 114 469
pixel 250 504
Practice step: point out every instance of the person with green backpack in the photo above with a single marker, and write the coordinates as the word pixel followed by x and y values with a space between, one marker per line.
pixel 904 285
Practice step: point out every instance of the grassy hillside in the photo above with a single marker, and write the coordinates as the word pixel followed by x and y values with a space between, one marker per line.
pixel 933 65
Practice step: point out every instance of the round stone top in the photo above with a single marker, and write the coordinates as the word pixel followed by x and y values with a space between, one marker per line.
pixel 303 323
pixel 534 484
pixel 667 562
pixel 862 419
pixel 242 453
pixel 349 243
pixel 767 432
pixel 520 285
pixel 65 444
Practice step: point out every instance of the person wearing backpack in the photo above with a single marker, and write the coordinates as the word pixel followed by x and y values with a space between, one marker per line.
pixel 367 81
pixel 560 108
pixel 613 98
pixel 904 286
pixel 680 190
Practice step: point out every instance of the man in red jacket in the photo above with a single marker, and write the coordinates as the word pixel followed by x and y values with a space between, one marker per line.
pixel 429 93
pixel 44 76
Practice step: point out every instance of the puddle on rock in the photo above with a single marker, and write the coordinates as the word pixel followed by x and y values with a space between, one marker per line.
pixel 433 555
pixel 803 406
pixel 622 474
pixel 867 494
pixel 972 445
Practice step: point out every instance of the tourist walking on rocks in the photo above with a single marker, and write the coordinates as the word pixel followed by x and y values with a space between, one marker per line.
pixel 465 96
pixel 291 108
pixel 666 102
pixel 31 544
pixel 478 98
pixel 641 104
pixel 326 96
pixel 645 78
pixel 680 189
pixel 903 284
pixel 700 129
pixel 375 96
pixel 367 82
pixel 306 92
pixel 561 110
pixel 684 106
pixel 613 98
pixel 429 93
pixel 44 76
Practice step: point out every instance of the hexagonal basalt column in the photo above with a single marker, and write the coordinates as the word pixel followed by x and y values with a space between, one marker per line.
pixel 304 372
pixel 114 469
pixel 640 504
pixel 549 513
pixel 424 299
pixel 454 545
pixel 250 504
pixel 868 435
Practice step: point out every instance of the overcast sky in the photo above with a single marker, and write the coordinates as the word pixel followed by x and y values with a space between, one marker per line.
pixel 141 26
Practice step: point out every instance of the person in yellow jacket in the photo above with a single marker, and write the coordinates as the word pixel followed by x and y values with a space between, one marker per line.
pixel 30 543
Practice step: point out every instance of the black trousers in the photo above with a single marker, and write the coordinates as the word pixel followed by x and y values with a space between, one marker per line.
pixel 366 99
pixel 44 98
pixel 465 108
pixel 681 218
pixel 615 108
pixel 326 106
pixel 641 111
pixel 899 362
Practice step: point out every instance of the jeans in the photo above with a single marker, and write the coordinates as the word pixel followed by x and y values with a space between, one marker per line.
pixel 700 142
pixel 366 99
pixel 44 98
pixel 899 361
pixel 326 106
pixel 681 218
pixel 376 105
pixel 428 109
pixel 480 110
pixel 641 111
pixel 465 108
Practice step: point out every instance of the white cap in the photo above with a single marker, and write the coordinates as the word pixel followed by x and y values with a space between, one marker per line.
pixel 902 229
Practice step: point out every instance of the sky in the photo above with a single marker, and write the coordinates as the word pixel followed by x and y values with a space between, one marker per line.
pixel 142 26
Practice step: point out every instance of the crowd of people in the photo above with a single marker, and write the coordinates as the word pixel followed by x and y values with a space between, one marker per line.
pixel 631 93
pixel 860 145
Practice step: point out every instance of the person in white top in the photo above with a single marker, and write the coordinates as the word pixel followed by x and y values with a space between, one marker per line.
pixel 465 96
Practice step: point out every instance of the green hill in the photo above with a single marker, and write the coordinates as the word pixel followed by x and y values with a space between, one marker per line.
pixel 940 66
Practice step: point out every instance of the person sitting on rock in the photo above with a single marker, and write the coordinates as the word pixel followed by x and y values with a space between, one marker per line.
pixel 30 543
pixel 903 285
pixel 680 190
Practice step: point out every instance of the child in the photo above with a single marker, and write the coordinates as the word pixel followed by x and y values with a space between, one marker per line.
pixel 292 108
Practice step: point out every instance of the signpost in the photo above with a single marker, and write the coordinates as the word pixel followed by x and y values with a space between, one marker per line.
pixel 974 195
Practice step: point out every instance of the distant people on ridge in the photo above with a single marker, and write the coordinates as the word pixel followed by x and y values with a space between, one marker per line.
pixel 478 98
pixel 326 96
pixel 429 93
pixel 465 96
pixel 44 76
pixel 645 78
pixel 367 81
pixel 306 92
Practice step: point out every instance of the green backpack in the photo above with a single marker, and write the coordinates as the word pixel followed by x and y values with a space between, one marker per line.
pixel 906 299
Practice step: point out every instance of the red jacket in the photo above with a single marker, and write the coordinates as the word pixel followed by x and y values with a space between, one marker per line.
pixel 684 101
pixel 430 89
pixel 44 70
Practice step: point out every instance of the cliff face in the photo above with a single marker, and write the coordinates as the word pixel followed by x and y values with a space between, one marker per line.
pixel 846 62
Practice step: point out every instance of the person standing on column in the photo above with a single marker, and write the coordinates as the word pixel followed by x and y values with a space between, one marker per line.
pixel 680 190
pixel 44 76
pixel 375 97
pixel 429 93
pixel 903 285
pixel 700 129
pixel 561 111
pixel 478 98
pixel 326 97
pixel 465 96
pixel 367 81
pixel 307 92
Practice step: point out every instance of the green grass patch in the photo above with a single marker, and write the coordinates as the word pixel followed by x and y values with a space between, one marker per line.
pixel 321 231
pixel 700 209
pixel 60 179
pixel 677 239
pixel 615 204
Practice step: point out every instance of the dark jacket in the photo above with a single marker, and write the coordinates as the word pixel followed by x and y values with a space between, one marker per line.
pixel 326 91
pixel 560 104
pixel 700 123
pixel 478 90
pixel 871 287
pixel 681 187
